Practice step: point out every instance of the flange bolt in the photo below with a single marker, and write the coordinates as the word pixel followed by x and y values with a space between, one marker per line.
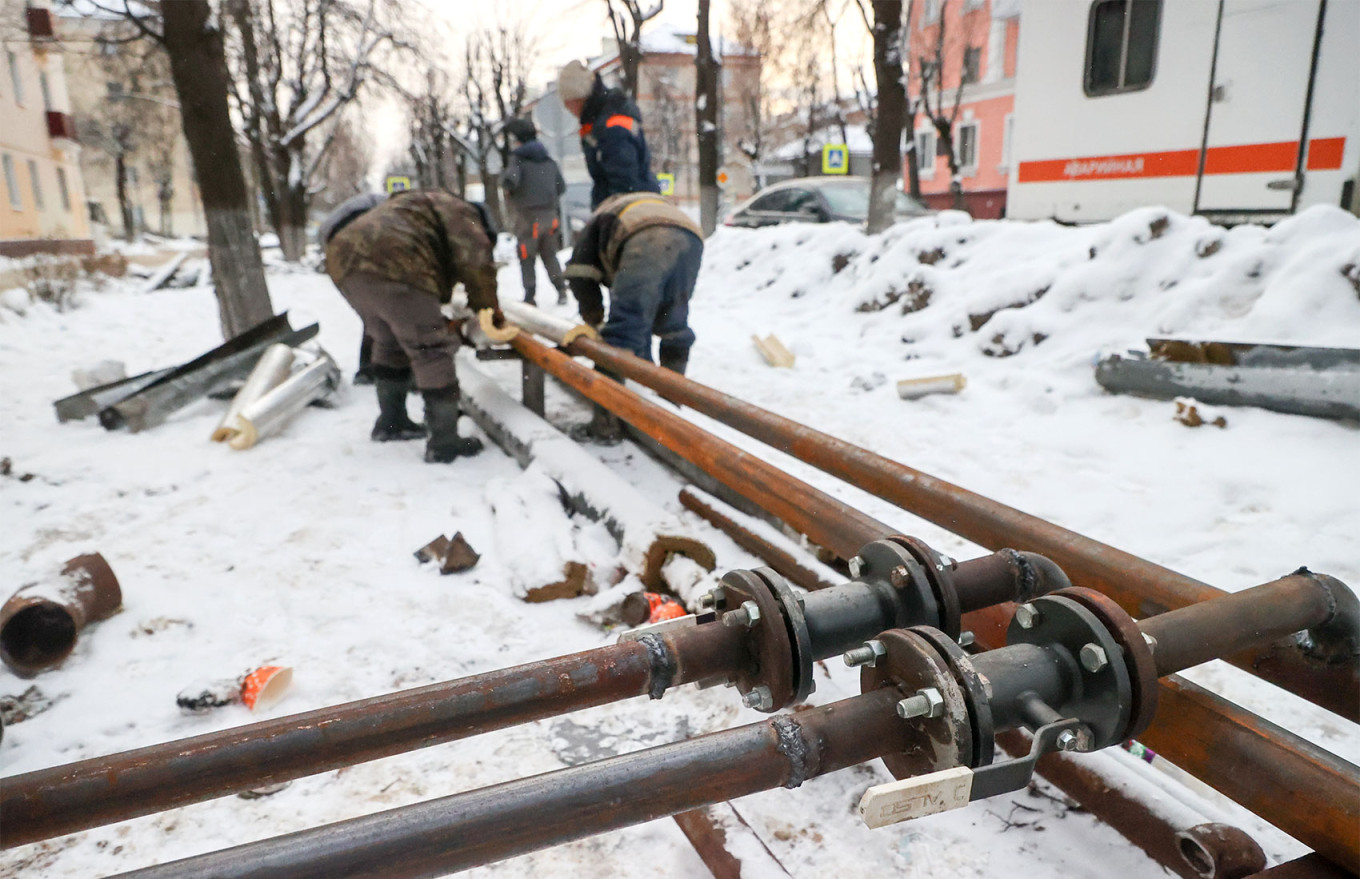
pixel 1093 658
pixel 925 703
pixel 1067 740
pixel 856 565
pixel 1028 616
pixel 759 698
pixel 867 654
pixel 747 615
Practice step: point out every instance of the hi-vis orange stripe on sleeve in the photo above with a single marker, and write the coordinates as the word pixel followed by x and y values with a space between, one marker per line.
pixel 1324 154
pixel 620 120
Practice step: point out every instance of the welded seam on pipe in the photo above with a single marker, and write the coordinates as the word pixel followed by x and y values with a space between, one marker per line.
pixel 792 745
pixel 664 666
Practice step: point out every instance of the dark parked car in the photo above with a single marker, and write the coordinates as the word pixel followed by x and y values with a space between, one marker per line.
pixel 815 200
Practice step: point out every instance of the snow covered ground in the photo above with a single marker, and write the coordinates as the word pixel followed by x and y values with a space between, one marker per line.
pixel 298 552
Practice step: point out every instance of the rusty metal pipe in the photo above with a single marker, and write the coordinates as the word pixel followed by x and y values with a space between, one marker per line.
pixel 63 799
pixel 39 623
pixel 480 826
pixel 1302 601
pixel 1141 587
pixel 1220 851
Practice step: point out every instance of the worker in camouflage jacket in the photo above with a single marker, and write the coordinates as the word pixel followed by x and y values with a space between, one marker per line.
pixel 533 183
pixel 396 264
pixel 612 139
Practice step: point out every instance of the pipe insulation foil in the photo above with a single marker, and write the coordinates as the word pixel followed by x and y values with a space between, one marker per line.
pixel 267 414
pixel 270 371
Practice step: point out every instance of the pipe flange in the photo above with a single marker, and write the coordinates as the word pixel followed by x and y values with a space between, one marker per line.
pixel 940 576
pixel 975 689
pixel 912 664
pixel 1137 653
pixel 776 665
pixel 889 562
pixel 1101 690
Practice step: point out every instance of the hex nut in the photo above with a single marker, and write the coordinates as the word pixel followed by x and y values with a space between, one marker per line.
pixel 967 639
pixel 866 654
pixel 924 703
pixel 856 565
pixel 1028 616
pixel 759 698
pixel 1067 740
pixel 1093 658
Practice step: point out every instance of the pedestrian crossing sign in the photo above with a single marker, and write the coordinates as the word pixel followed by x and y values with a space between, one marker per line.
pixel 398 184
pixel 667 182
pixel 835 159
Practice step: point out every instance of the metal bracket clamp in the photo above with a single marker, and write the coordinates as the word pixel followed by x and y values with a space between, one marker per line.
pixel 779 639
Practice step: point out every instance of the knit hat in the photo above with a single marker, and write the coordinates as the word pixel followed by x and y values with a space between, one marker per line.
pixel 522 129
pixel 575 82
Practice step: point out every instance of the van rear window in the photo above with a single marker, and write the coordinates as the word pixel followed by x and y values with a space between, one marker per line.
pixel 1121 45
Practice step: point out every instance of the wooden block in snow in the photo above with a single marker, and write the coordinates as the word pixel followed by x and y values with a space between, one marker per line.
pixel 912 388
pixel 774 351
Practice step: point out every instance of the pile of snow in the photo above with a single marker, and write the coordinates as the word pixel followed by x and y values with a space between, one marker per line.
pixel 944 282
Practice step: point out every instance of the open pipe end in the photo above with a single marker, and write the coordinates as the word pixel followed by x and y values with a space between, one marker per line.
pixel 1220 851
pixel 36 637
pixel 1336 641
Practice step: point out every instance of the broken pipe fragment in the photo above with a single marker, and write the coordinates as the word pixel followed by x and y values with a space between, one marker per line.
pixel 38 624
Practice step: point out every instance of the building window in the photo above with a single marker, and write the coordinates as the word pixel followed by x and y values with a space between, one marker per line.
pixel 972 64
pixel 62 190
pixel 46 90
pixel 36 184
pixel 12 183
pixel 925 152
pixel 1121 45
pixel 14 77
pixel 965 147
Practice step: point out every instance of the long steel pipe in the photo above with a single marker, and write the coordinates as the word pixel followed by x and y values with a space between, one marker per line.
pixel 1276 757
pixel 1141 587
pixel 480 826
pixel 63 799
pixel 477 827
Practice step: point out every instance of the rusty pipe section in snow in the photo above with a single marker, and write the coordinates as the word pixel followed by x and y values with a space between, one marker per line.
pixel 1317 671
pixel 39 623
pixel 481 826
pixel 63 799
pixel 1071 704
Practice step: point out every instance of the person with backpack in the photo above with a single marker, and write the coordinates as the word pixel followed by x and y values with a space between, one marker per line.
pixel 612 138
pixel 533 183
pixel 395 264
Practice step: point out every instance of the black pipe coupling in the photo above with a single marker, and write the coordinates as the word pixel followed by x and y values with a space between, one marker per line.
pixel 898 581
pixel 1076 672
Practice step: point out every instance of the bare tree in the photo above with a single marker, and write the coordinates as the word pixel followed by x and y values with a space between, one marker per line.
pixel 751 22
pixel 932 67
pixel 707 71
pixel 627 17
pixel 495 86
pixel 438 153
pixel 344 170
pixel 300 62
pixel 192 40
pixel 891 113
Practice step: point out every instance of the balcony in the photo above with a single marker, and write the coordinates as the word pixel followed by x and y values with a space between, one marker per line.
pixel 40 24
pixel 60 126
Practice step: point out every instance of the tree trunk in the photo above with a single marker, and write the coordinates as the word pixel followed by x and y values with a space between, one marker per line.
pixel 198 67
pixel 292 225
pixel 706 76
pixel 124 205
pixel 913 160
pixel 491 193
pixel 892 111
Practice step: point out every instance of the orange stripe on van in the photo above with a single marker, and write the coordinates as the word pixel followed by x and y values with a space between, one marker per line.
pixel 1324 154
pixel 621 121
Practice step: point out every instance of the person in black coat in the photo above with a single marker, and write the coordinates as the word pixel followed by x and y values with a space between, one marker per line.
pixel 533 183
pixel 612 138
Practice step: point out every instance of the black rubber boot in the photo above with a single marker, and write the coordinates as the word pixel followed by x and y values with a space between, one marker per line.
pixel 393 423
pixel 441 414
pixel 562 295
pixel 364 375
pixel 674 360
